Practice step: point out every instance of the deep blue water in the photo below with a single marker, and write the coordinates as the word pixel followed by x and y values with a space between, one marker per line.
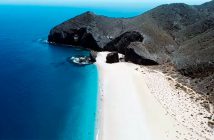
pixel 42 96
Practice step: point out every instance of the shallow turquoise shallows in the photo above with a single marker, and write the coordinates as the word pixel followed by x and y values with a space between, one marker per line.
pixel 42 96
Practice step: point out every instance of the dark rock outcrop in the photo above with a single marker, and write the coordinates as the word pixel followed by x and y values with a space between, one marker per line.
pixel 93 56
pixel 142 51
pixel 112 58
pixel 179 33
pixel 76 37
pixel 132 56
pixel 121 42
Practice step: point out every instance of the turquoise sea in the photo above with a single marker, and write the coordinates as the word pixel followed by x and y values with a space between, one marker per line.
pixel 42 96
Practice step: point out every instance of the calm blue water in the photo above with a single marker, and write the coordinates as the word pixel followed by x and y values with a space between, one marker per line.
pixel 42 96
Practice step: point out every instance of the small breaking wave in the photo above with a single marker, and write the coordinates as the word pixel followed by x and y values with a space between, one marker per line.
pixel 44 41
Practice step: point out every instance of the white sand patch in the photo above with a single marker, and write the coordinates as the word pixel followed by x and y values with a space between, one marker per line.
pixel 136 105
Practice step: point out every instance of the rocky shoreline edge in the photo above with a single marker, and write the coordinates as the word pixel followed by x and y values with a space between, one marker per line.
pixel 174 38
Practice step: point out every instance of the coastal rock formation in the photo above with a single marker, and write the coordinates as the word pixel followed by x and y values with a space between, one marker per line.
pixel 112 57
pixel 103 29
pixel 177 33
pixel 80 60
pixel 132 56
pixel 93 56
pixel 120 43
pixel 76 37
pixel 192 29
pixel 143 51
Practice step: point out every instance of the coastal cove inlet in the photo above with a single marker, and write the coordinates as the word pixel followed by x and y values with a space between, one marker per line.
pixel 149 75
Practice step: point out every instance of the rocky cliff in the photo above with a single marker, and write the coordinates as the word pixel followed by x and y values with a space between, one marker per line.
pixel 177 33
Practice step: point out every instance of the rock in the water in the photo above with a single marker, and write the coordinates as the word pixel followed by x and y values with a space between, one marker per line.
pixel 80 60
pixel 120 43
pixel 112 57
pixel 132 56
pixel 76 37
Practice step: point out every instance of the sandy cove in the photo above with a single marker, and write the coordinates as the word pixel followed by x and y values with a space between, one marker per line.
pixel 136 103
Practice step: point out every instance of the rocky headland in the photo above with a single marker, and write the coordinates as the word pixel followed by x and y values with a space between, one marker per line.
pixel 178 37
pixel 177 33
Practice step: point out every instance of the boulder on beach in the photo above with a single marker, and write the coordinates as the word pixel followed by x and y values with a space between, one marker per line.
pixel 112 57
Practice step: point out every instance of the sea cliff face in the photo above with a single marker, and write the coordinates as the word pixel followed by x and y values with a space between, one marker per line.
pixel 176 33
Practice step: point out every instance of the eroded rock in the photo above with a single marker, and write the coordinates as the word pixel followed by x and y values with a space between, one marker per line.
pixel 132 56
pixel 121 42
pixel 112 57
pixel 76 37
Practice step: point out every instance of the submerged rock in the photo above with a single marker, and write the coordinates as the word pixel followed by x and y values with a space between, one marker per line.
pixel 81 60
pixel 112 58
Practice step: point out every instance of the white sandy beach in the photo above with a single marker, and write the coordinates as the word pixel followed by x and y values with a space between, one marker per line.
pixel 138 104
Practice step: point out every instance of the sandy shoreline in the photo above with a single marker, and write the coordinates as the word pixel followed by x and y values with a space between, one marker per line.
pixel 138 104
